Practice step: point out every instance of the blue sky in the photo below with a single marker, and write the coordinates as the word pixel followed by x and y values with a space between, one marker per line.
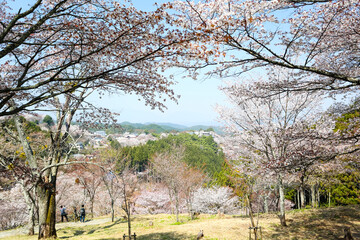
pixel 194 107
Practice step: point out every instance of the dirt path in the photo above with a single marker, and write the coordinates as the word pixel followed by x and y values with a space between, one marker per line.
pixel 23 231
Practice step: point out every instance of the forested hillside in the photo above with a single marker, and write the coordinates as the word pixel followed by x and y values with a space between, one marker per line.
pixel 200 152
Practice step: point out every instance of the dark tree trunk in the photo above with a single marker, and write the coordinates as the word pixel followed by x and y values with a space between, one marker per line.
pixel 47 209
pixel 112 210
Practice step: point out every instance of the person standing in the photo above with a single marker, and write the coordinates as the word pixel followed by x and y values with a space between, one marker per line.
pixel 76 216
pixel 82 213
pixel 63 213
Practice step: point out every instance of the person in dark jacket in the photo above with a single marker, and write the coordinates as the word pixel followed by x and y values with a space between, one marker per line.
pixel 82 213
pixel 63 213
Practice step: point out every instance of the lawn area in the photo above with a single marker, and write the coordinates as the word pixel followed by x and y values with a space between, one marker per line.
pixel 311 224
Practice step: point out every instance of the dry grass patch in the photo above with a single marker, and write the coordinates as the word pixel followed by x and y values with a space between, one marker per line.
pixel 305 224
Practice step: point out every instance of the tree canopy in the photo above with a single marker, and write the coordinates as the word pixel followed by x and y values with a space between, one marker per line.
pixel 201 152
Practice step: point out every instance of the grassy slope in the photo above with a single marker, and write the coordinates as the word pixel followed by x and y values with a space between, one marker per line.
pixel 304 224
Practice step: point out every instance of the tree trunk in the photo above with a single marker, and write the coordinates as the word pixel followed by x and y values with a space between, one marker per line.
pixel 177 204
pixel 31 222
pixel 313 196
pixel 318 196
pixel 29 199
pixel 282 201
pixel 171 201
pixel 112 210
pixel 189 205
pixel 92 206
pixel 266 204
pixel 129 220
pixel 298 199
pixel 31 208
pixel 47 210
pixel 302 197
pixel 251 216
pixel 329 198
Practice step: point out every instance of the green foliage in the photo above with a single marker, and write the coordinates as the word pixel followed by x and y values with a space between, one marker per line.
pixel 48 120
pixel 228 176
pixel 290 194
pixel 200 152
pixel 347 123
pixel 29 127
pixel 114 143
pixel 347 191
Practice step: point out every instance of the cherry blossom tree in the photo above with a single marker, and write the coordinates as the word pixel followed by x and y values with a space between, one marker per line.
pixel 261 128
pixel 24 144
pixel 73 48
pixel 169 166
pixel 41 168
pixel 317 39
pixel 109 158
pixel 129 186
pixel 90 179
pixel 154 200
pixel 192 181
pixel 115 43
pixel 214 200
pixel 13 208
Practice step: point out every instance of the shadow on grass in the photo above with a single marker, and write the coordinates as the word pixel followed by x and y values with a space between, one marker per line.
pixel 240 216
pixel 76 233
pixel 110 238
pixel 321 224
pixel 164 235
pixel 113 224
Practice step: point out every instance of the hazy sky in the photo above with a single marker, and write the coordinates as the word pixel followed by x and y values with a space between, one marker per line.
pixel 195 105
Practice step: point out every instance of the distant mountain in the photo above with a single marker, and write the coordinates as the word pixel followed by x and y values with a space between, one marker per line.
pixel 172 125
pixel 164 127
pixel 153 128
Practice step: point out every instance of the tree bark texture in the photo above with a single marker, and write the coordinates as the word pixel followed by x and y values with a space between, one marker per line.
pixel 177 203
pixel 31 209
pixel 47 210
pixel 298 199
pixel 251 216
pixel 313 196
pixel 318 196
pixel 282 201
pixel 302 197
pixel 266 204
pixel 112 210
pixel 129 221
